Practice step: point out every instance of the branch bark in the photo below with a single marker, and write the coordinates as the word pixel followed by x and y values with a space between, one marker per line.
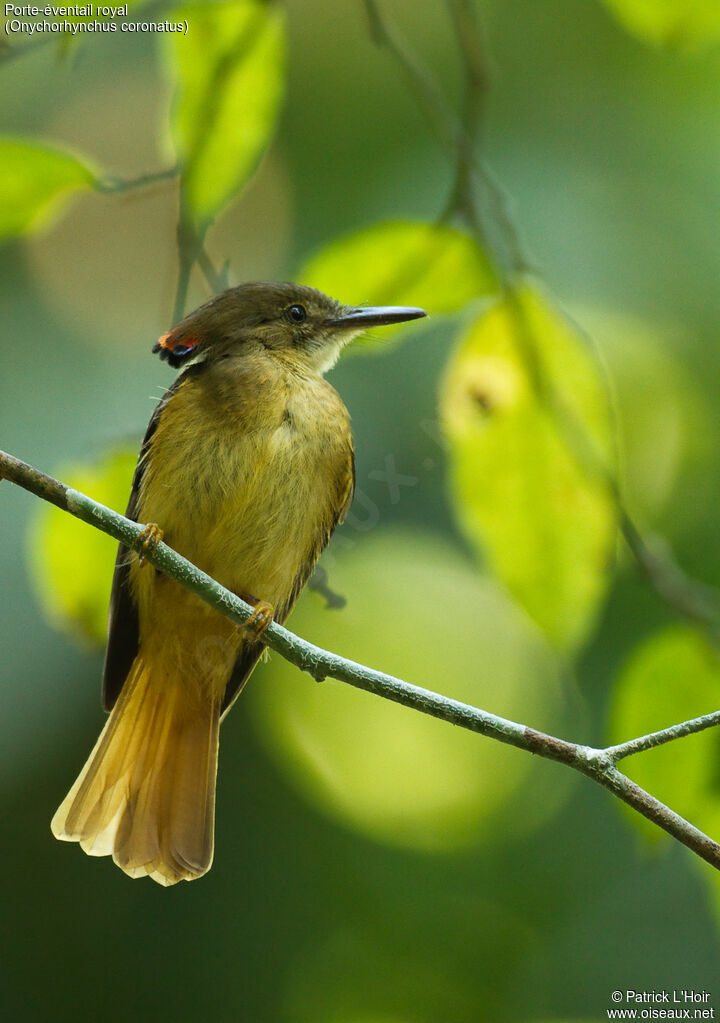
pixel 597 764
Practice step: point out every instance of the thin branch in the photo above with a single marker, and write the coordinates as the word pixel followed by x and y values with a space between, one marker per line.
pixel 597 764
pixel 477 78
pixel 185 265
pixel 459 136
pixel 115 186
pixel 472 172
pixel 217 279
pixel 645 742
pixel 189 243
pixel 429 97
pixel 689 597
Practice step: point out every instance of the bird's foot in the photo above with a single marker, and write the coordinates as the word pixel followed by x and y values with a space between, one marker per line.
pixel 148 540
pixel 259 620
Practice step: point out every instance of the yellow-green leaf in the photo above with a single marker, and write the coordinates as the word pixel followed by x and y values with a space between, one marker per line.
pixel 34 179
pixel 525 411
pixel 679 24
pixel 672 677
pixel 229 74
pixel 72 563
pixel 402 263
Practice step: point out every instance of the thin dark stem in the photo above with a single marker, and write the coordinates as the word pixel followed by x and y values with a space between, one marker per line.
pixel 428 95
pixel 115 186
pixel 492 224
pixel 459 136
pixel 597 764
pixel 185 265
pixel 477 78
pixel 217 279
pixel 189 243
pixel 691 599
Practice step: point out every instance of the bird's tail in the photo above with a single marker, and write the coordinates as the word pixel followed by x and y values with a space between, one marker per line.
pixel 146 795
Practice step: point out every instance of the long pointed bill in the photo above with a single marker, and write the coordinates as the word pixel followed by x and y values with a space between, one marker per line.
pixel 376 316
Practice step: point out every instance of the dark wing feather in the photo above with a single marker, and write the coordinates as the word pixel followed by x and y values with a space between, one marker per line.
pixel 123 626
pixel 250 653
pixel 123 631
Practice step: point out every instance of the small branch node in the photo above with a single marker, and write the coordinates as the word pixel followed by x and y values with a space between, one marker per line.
pixel 597 759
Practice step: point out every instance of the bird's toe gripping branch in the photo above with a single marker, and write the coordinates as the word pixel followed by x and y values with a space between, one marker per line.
pixel 259 620
pixel 148 540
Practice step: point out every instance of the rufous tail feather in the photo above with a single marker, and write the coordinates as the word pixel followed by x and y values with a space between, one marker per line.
pixel 146 795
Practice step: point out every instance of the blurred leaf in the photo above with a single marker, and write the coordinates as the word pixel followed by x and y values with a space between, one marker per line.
pixel 526 475
pixel 229 71
pixel 663 422
pixel 33 181
pixel 402 263
pixel 72 563
pixel 67 43
pixel 419 610
pixel 677 24
pixel 672 677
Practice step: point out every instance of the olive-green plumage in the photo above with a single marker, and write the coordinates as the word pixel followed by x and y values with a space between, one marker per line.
pixel 247 467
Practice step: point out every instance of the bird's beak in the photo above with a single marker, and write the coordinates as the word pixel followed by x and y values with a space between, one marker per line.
pixel 376 316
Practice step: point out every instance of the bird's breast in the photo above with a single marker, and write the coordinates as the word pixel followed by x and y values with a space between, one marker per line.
pixel 243 483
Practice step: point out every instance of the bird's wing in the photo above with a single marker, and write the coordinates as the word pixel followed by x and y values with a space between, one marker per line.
pixel 251 651
pixel 123 627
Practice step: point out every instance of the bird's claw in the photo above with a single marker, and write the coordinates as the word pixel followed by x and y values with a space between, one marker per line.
pixel 148 540
pixel 259 620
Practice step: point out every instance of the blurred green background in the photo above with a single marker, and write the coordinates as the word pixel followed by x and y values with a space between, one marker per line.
pixel 374 866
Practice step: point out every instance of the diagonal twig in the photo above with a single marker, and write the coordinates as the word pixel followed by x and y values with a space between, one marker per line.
pixel 597 764
pixel 646 742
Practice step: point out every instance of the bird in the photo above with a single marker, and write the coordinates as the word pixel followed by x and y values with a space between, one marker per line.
pixel 246 468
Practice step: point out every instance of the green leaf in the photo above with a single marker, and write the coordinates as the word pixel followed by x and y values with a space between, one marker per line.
pixel 403 263
pixel 33 181
pixel 526 415
pixel 72 563
pixel 229 72
pixel 672 677
pixel 677 24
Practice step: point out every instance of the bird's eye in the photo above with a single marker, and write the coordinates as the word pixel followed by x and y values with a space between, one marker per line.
pixel 296 314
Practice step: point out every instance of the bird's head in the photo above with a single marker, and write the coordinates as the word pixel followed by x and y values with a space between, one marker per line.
pixel 289 319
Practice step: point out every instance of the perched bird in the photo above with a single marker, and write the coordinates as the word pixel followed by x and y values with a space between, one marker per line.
pixel 246 469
